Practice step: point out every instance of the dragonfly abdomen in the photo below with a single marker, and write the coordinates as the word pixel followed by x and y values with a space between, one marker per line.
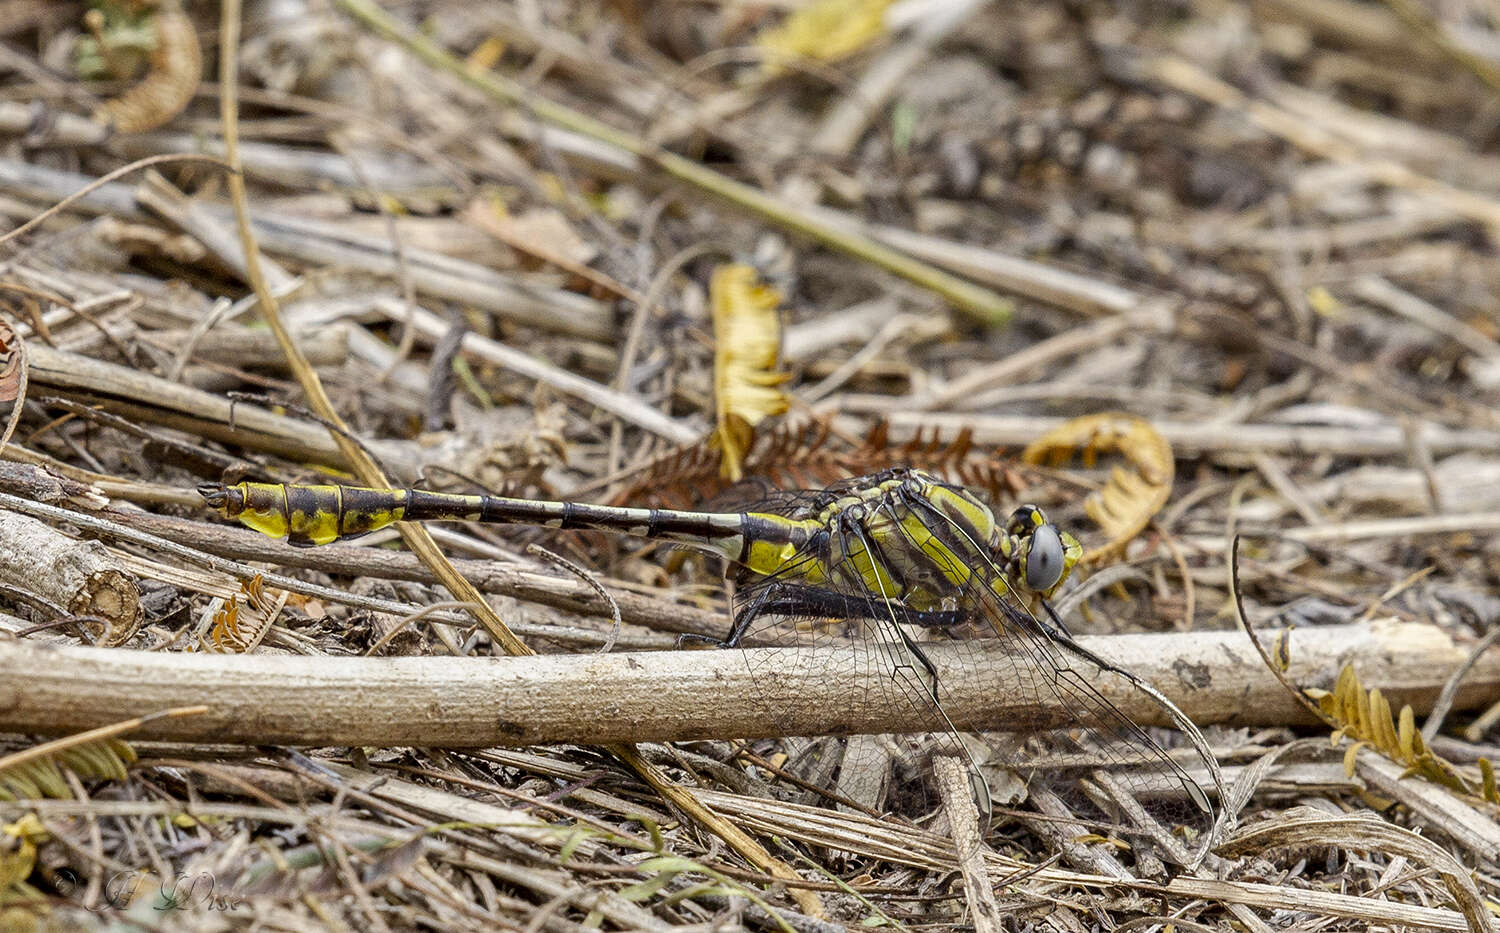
pixel 311 515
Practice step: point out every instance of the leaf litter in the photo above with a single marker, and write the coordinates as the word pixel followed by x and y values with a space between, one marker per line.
pixel 1245 255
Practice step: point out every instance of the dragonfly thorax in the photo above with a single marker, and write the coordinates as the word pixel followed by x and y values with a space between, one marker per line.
pixel 906 536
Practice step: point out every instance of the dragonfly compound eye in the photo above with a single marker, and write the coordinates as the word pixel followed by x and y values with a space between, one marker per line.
pixel 1044 559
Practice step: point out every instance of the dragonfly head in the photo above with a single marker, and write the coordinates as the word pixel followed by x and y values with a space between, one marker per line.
pixel 1043 554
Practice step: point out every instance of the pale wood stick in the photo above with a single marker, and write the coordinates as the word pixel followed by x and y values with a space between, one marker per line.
pixel 71 576
pixel 968 843
pixel 681 695
pixel 235 345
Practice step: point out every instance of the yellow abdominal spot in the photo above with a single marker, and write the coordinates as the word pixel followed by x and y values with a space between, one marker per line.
pixel 269 522
pixel 357 522
pixel 976 514
pixel 1001 588
pixel 320 526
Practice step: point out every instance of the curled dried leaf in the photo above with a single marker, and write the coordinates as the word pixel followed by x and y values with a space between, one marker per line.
pixel 172 77
pixel 1132 497
pixel 1351 756
pixel 747 334
pixel 1381 722
pixel 18 844
pixel 1408 739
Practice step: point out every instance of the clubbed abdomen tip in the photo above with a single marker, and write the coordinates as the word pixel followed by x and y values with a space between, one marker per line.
pixel 215 494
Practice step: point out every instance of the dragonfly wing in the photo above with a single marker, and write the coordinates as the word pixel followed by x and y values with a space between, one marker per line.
pixel 1052 666
pixel 979 612
pixel 884 655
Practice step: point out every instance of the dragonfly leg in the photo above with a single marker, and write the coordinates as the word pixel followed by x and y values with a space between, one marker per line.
pixel 761 603
pixel 925 672
pixel 749 614
pixel 795 599
pixel 1053 623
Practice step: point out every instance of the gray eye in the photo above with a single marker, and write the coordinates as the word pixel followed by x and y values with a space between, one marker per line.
pixel 1044 560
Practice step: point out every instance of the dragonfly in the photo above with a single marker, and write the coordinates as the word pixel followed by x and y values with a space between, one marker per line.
pixel 889 561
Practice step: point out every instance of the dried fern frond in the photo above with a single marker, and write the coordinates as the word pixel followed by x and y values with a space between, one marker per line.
pixel 747 349
pixel 1366 718
pixel 36 778
pixel 98 754
pixel 238 631
pixel 806 454
pixel 686 476
pixel 1131 498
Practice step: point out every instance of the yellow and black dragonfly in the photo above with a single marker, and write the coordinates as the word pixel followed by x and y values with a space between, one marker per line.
pixel 887 561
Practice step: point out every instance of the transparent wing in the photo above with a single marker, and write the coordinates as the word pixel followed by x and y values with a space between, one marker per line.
pixel 1048 662
pixel 756 496
pixel 891 662
pixel 976 617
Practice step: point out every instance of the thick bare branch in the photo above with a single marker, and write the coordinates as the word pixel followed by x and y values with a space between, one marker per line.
pixel 677 695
